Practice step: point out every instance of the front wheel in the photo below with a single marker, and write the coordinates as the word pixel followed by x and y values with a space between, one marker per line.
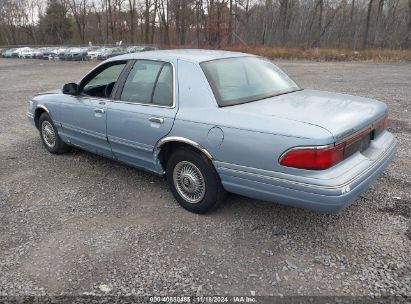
pixel 193 181
pixel 49 136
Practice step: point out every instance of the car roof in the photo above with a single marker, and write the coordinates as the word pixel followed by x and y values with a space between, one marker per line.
pixel 194 55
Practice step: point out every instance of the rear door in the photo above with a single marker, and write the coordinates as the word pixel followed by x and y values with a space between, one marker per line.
pixel 143 112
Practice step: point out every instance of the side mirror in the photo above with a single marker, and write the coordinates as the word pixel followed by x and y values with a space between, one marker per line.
pixel 70 88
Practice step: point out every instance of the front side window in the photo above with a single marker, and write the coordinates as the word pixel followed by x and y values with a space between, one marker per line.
pixel 102 83
pixel 149 82
pixel 245 79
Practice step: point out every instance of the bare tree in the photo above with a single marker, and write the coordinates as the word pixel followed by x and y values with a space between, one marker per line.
pixel 132 18
pixel 153 21
pixel 367 23
pixel 407 40
pixel 294 23
pixel 164 16
pixel 230 23
pixel 147 20
pixel 79 10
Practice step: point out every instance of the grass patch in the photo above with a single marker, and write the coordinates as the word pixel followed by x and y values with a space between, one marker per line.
pixel 375 55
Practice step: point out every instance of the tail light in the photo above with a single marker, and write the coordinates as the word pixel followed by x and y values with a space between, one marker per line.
pixel 324 157
pixel 382 124
pixel 313 158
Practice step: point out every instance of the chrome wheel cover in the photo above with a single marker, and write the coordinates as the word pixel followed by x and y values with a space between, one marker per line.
pixel 189 182
pixel 48 134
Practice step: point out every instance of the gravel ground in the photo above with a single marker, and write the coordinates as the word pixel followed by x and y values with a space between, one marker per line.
pixel 81 224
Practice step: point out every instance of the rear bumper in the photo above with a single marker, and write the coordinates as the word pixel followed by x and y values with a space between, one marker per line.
pixel 320 198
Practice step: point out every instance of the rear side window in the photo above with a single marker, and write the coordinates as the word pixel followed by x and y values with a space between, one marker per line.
pixel 149 82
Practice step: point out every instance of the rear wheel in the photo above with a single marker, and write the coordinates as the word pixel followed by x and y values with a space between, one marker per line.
pixel 193 181
pixel 49 136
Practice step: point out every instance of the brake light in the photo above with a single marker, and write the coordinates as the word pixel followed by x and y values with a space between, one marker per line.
pixel 386 122
pixel 382 124
pixel 321 158
pixel 313 158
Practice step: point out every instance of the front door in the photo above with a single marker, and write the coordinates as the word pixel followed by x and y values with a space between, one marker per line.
pixel 83 119
pixel 142 113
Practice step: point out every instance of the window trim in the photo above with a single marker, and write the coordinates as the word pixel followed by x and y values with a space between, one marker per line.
pixel 123 78
pixel 155 83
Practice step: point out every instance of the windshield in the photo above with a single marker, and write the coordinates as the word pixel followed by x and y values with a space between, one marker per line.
pixel 245 79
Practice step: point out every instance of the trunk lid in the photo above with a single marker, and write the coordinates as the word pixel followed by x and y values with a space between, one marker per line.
pixel 340 114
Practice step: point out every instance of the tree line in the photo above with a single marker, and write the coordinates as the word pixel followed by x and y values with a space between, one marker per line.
pixel 353 24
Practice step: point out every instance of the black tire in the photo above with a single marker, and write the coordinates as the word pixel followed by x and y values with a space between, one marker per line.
pixel 214 192
pixel 59 146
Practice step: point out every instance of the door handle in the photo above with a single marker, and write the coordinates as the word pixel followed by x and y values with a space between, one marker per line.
pixel 99 111
pixel 158 120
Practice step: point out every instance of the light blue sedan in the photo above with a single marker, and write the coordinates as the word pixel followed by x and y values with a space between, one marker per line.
pixel 215 121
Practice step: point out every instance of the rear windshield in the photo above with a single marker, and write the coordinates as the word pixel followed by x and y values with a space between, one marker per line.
pixel 245 79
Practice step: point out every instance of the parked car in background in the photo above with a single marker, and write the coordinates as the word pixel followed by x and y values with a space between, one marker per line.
pixel 76 54
pixel 79 54
pixel 8 53
pixel 140 48
pixel 93 54
pixel 48 54
pixel 59 51
pixel 111 52
pixel 66 53
pixel 236 123
pixel 2 51
pixel 36 52
pixel 62 55
pixel 18 52
pixel 40 52
pixel 27 53
pixel 73 53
